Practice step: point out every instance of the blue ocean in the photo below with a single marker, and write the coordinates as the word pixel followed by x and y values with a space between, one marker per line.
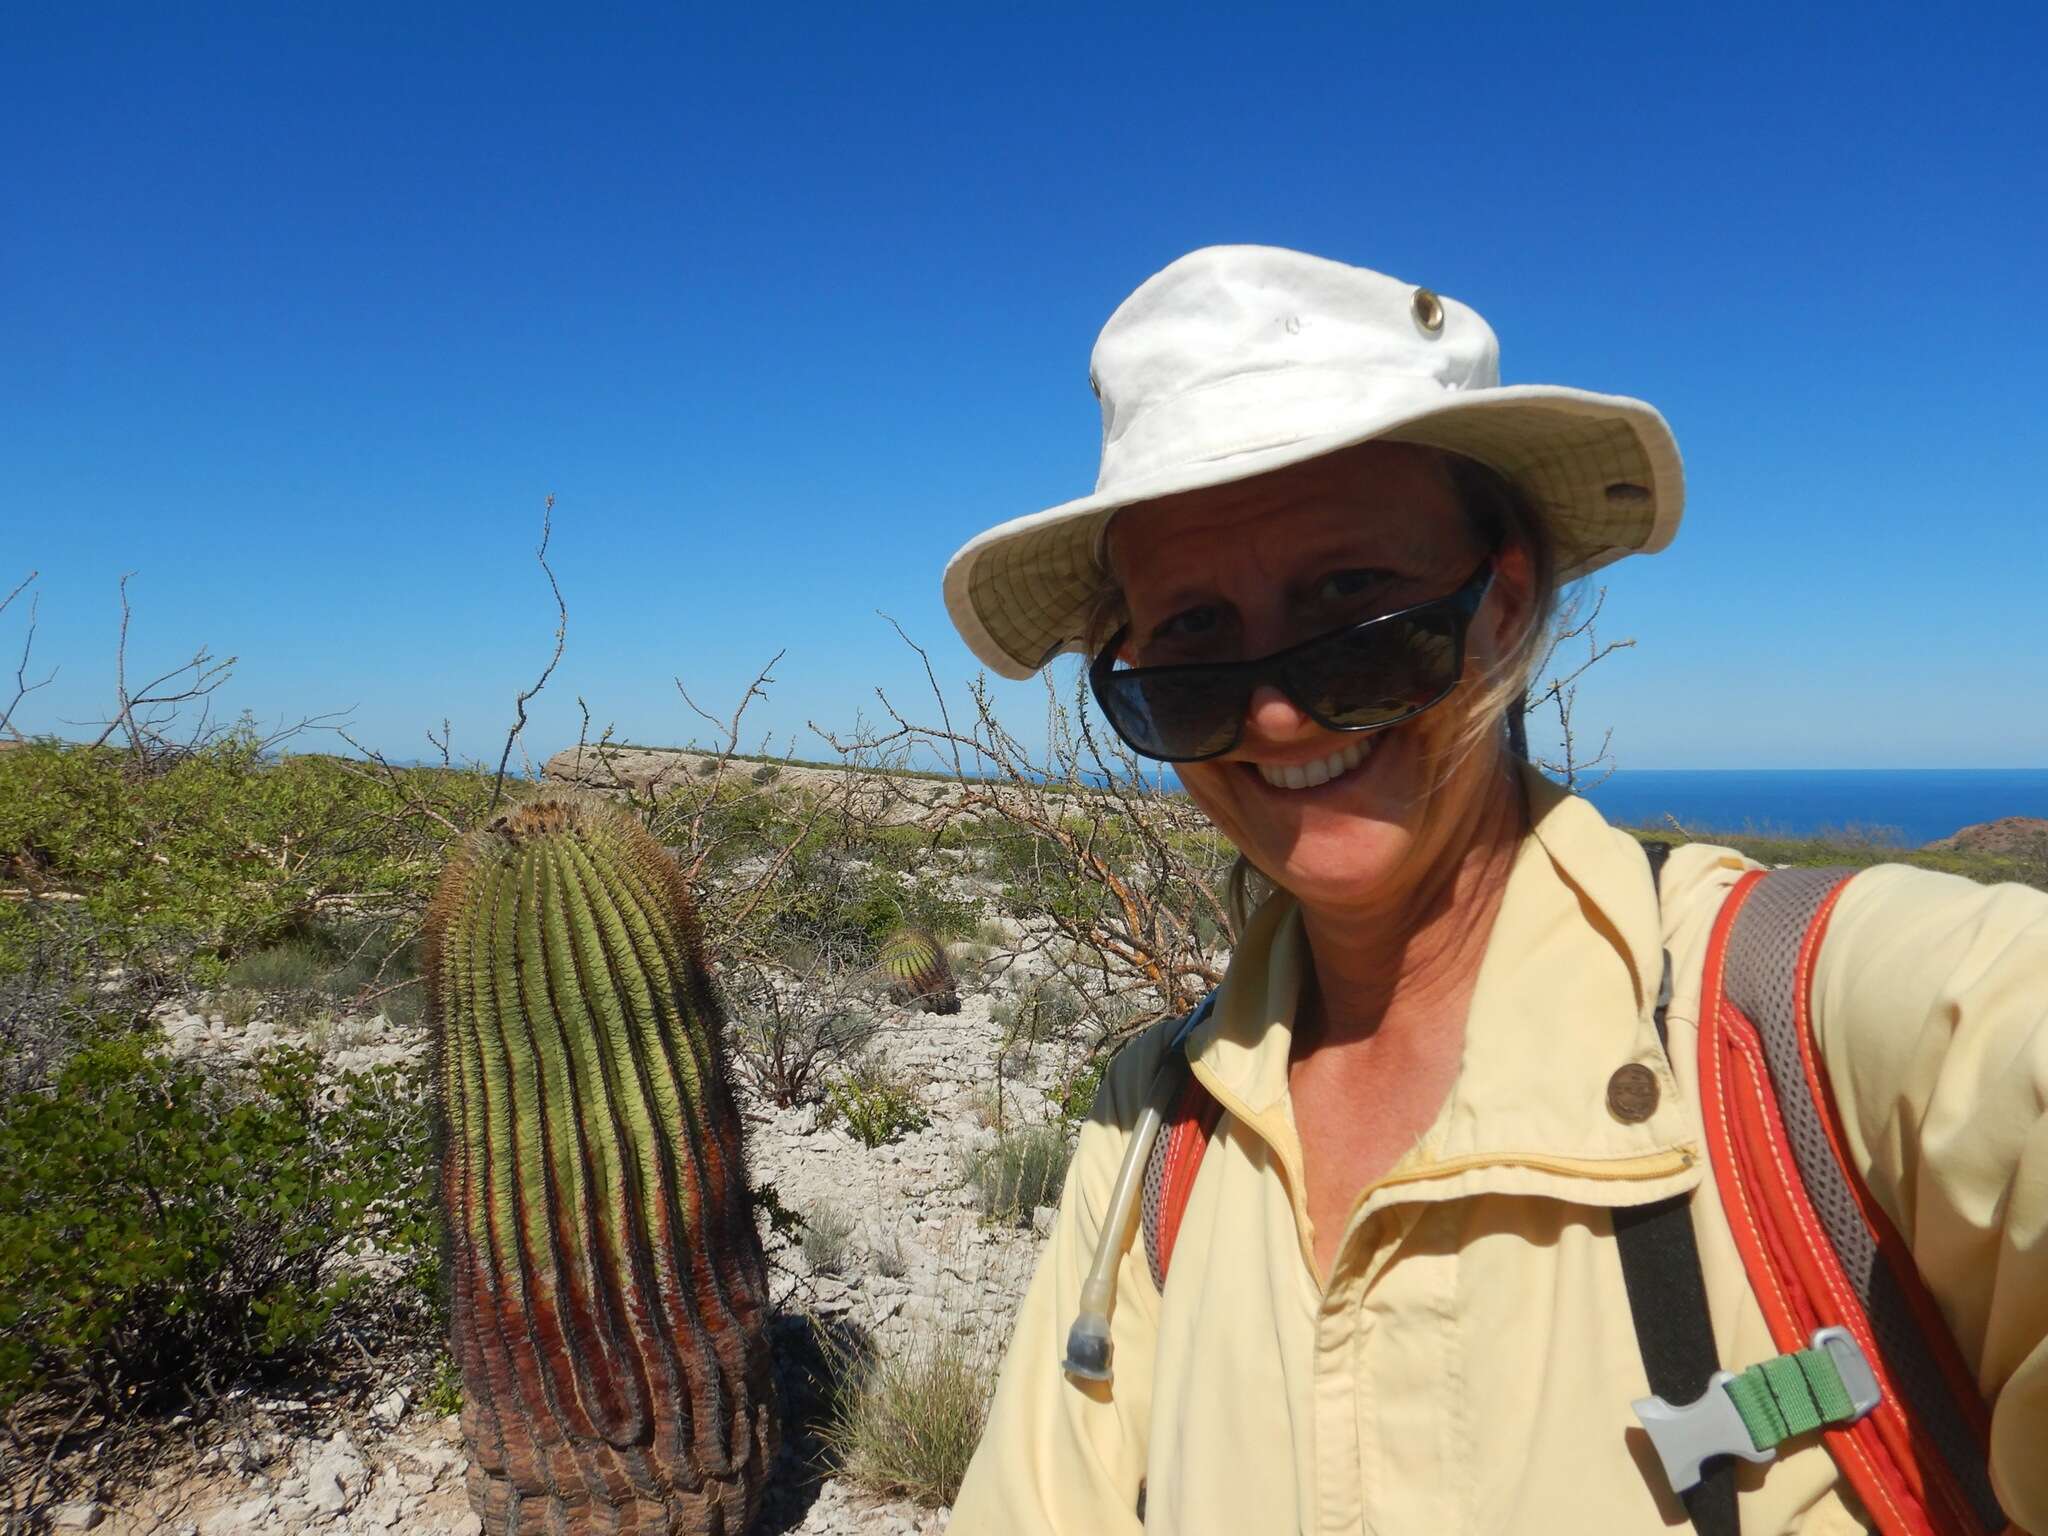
pixel 1909 806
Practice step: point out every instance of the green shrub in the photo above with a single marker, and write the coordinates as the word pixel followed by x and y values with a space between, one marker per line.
pixel 767 773
pixel 1074 1097
pixel 444 1394
pixel 908 1424
pixel 828 1239
pixel 166 1227
pixel 874 1103
pixel 224 853
pixel 1022 1171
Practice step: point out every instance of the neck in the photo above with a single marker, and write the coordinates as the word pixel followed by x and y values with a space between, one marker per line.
pixel 1414 951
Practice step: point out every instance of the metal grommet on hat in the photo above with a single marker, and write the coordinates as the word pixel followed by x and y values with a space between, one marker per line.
pixel 1632 1093
pixel 1429 311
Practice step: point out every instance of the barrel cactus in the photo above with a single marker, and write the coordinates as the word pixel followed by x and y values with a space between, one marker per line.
pixel 914 963
pixel 608 1287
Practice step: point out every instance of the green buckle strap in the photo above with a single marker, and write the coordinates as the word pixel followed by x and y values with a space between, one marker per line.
pixel 1828 1382
pixel 1789 1396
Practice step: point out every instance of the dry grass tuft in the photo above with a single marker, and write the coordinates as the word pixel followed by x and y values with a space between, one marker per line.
pixel 907 1424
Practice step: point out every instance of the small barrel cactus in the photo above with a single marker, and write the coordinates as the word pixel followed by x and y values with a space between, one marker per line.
pixel 914 962
pixel 609 1293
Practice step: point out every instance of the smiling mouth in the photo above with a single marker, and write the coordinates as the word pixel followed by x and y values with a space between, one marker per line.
pixel 1310 775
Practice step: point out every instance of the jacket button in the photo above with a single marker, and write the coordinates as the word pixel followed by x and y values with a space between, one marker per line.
pixel 1632 1093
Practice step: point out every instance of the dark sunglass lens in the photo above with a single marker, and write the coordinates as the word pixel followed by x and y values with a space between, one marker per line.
pixel 1378 673
pixel 1172 714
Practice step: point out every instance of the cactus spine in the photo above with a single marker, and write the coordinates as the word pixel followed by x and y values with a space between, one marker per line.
pixel 914 961
pixel 608 1287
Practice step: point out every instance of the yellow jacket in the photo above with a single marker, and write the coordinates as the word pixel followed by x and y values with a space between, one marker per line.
pixel 1471 1364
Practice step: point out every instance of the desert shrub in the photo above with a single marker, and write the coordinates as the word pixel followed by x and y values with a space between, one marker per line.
pixel 905 846
pixel 337 961
pixel 1043 1011
pixel 973 964
pixel 767 773
pixel 166 1227
pixel 405 1006
pixel 875 1104
pixel 222 854
pixel 784 1040
pixel 293 966
pixel 908 1423
pixel 827 1239
pixel 1022 1171
pixel 1074 1096
pixel 61 997
pixel 925 904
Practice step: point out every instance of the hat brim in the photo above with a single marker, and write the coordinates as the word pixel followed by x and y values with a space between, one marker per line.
pixel 1602 470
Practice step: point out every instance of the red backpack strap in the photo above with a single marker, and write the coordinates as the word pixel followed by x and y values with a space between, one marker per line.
pixel 1176 1156
pixel 1818 1249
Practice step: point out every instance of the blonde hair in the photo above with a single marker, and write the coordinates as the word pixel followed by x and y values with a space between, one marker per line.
pixel 1500 516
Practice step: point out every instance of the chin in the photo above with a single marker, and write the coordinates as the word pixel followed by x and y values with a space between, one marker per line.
pixel 1339 868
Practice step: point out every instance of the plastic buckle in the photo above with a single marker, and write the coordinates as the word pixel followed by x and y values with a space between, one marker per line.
pixel 1686 1437
pixel 1858 1379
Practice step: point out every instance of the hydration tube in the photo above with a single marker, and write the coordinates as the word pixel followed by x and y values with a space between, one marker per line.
pixel 1088 1343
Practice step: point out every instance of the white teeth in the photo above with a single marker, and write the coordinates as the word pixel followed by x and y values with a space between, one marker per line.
pixel 1308 775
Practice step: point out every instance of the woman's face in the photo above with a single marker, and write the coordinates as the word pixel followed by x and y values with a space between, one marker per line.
pixel 1246 569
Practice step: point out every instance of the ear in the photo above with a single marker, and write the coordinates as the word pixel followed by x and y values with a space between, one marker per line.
pixel 1513 579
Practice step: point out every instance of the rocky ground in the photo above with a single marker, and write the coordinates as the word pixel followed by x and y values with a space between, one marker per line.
pixel 920 1257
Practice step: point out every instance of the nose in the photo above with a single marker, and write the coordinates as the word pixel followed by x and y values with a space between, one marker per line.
pixel 1272 716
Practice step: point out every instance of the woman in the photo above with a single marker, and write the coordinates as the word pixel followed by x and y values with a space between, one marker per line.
pixel 1395 1303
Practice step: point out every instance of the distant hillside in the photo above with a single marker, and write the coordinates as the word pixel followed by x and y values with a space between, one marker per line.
pixel 2014 837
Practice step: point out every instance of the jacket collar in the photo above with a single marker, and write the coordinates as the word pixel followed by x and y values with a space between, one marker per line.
pixel 1564 998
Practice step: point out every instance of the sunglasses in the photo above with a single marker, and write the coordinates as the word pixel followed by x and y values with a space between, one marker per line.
pixel 1375 673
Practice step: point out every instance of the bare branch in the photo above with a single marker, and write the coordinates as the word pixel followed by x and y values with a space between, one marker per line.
pixel 547 529
pixel 144 715
pixel 22 686
pixel 1560 693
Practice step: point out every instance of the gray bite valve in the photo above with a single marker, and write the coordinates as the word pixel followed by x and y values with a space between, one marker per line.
pixel 1088 1348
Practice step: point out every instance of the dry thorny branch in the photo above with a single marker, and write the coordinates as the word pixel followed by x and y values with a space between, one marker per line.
pixel 22 686
pixel 1128 873
pixel 547 529
pixel 145 716
pixel 716 818
pixel 1576 621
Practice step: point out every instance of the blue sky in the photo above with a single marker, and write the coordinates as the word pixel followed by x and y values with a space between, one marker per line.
pixel 305 310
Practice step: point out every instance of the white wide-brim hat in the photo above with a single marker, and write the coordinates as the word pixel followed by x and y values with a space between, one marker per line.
pixel 1240 359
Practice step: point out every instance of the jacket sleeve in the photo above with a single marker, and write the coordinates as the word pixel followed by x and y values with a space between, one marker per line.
pixel 1061 1457
pixel 1930 1007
